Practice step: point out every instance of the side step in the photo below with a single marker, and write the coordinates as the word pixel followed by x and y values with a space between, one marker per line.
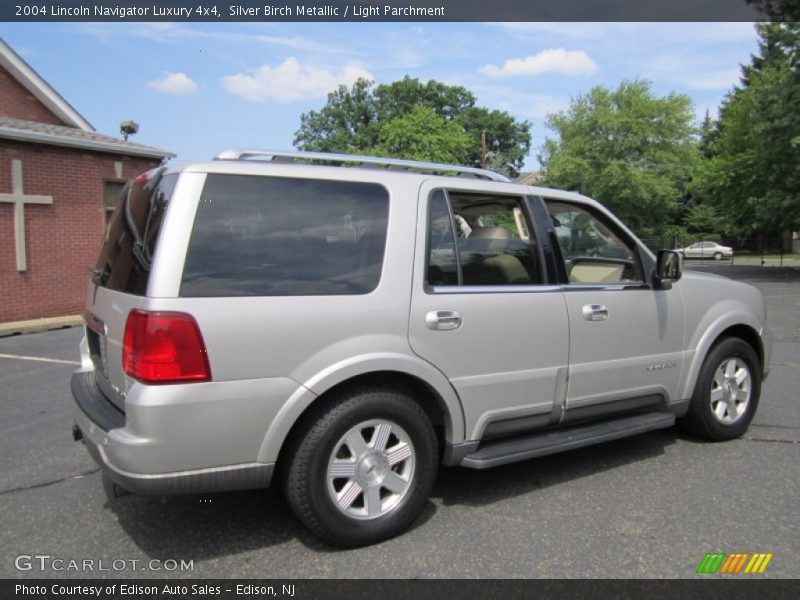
pixel 493 454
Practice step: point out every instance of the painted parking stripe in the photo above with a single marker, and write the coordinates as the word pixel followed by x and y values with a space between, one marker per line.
pixel 40 359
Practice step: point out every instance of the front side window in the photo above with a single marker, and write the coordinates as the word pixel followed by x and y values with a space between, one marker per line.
pixel 479 240
pixel 272 236
pixel 592 251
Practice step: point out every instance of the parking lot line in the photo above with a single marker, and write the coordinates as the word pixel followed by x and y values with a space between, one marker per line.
pixel 40 359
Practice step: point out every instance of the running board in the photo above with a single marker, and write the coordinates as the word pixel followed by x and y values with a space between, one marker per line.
pixel 494 454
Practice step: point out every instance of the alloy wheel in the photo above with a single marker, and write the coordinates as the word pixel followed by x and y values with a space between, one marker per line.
pixel 371 469
pixel 730 391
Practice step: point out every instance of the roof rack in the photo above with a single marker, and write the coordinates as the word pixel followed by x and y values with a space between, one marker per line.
pixel 391 163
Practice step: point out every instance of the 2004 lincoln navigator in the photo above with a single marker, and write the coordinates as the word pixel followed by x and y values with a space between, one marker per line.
pixel 349 329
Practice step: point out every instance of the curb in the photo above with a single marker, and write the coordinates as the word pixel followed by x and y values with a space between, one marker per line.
pixel 38 325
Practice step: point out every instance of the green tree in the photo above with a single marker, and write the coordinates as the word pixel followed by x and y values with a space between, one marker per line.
pixel 778 10
pixel 706 135
pixel 753 173
pixel 632 150
pixel 398 97
pixel 352 121
pixel 704 218
pixel 421 134
pixel 508 141
pixel 347 124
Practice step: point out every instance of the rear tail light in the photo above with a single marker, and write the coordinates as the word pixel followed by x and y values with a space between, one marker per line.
pixel 164 347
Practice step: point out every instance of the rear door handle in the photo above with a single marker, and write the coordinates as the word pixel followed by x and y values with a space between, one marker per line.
pixel 595 312
pixel 443 320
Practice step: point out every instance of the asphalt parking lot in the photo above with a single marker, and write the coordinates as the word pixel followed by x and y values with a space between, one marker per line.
pixel 649 506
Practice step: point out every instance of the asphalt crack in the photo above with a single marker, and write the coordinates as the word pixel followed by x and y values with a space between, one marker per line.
pixel 49 483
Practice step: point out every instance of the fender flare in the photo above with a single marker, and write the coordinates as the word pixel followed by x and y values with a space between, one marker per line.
pixel 710 335
pixel 321 382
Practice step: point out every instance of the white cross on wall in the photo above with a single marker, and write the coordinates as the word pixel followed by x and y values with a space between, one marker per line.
pixel 19 200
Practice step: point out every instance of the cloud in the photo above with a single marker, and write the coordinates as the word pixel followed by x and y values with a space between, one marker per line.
pixel 178 33
pixel 519 102
pixel 290 81
pixel 701 69
pixel 569 62
pixel 717 79
pixel 177 84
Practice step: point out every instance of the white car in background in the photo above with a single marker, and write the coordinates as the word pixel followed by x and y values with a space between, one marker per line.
pixel 706 250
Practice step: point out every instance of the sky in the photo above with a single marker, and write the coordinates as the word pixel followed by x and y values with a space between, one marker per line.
pixel 197 88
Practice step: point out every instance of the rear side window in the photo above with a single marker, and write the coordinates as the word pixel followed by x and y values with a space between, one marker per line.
pixel 477 239
pixel 126 252
pixel 270 236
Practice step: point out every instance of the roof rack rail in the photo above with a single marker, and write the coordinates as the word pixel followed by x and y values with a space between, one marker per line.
pixel 362 160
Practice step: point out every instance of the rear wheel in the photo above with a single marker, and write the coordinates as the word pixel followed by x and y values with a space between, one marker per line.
pixel 362 470
pixel 727 392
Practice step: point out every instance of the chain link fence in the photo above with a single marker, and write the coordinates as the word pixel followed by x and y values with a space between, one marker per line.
pixel 763 251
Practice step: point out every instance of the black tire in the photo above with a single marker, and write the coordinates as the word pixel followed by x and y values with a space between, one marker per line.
pixel 310 491
pixel 717 255
pixel 702 419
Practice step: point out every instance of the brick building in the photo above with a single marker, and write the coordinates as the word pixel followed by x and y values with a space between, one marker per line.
pixel 59 179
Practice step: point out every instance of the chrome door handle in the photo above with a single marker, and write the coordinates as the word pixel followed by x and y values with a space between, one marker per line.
pixel 443 320
pixel 595 312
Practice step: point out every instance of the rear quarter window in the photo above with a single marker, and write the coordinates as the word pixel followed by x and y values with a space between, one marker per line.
pixel 126 252
pixel 270 236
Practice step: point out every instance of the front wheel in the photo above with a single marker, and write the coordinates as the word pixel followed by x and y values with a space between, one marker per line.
pixel 363 468
pixel 727 392
pixel 717 255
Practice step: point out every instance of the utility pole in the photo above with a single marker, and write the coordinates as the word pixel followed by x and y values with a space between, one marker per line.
pixel 483 149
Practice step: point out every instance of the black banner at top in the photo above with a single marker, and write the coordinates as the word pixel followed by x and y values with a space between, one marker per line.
pixel 377 10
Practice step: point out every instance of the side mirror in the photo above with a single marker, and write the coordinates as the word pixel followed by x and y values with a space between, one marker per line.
pixel 669 268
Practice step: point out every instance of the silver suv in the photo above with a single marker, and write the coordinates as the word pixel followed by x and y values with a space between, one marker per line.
pixel 350 329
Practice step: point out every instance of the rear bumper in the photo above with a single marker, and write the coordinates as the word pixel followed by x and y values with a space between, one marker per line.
pixel 199 481
pixel 136 462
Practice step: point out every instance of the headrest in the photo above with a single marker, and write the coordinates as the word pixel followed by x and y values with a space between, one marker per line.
pixel 489 233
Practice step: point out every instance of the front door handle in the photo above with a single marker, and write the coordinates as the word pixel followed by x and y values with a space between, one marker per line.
pixel 595 312
pixel 443 320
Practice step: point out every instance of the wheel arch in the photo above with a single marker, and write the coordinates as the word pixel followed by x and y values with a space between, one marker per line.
pixel 742 329
pixel 421 381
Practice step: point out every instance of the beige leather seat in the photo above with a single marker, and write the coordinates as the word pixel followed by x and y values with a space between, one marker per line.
pixel 508 269
pixel 502 268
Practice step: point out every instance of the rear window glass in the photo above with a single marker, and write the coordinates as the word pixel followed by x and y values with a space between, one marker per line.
pixel 270 236
pixel 127 249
